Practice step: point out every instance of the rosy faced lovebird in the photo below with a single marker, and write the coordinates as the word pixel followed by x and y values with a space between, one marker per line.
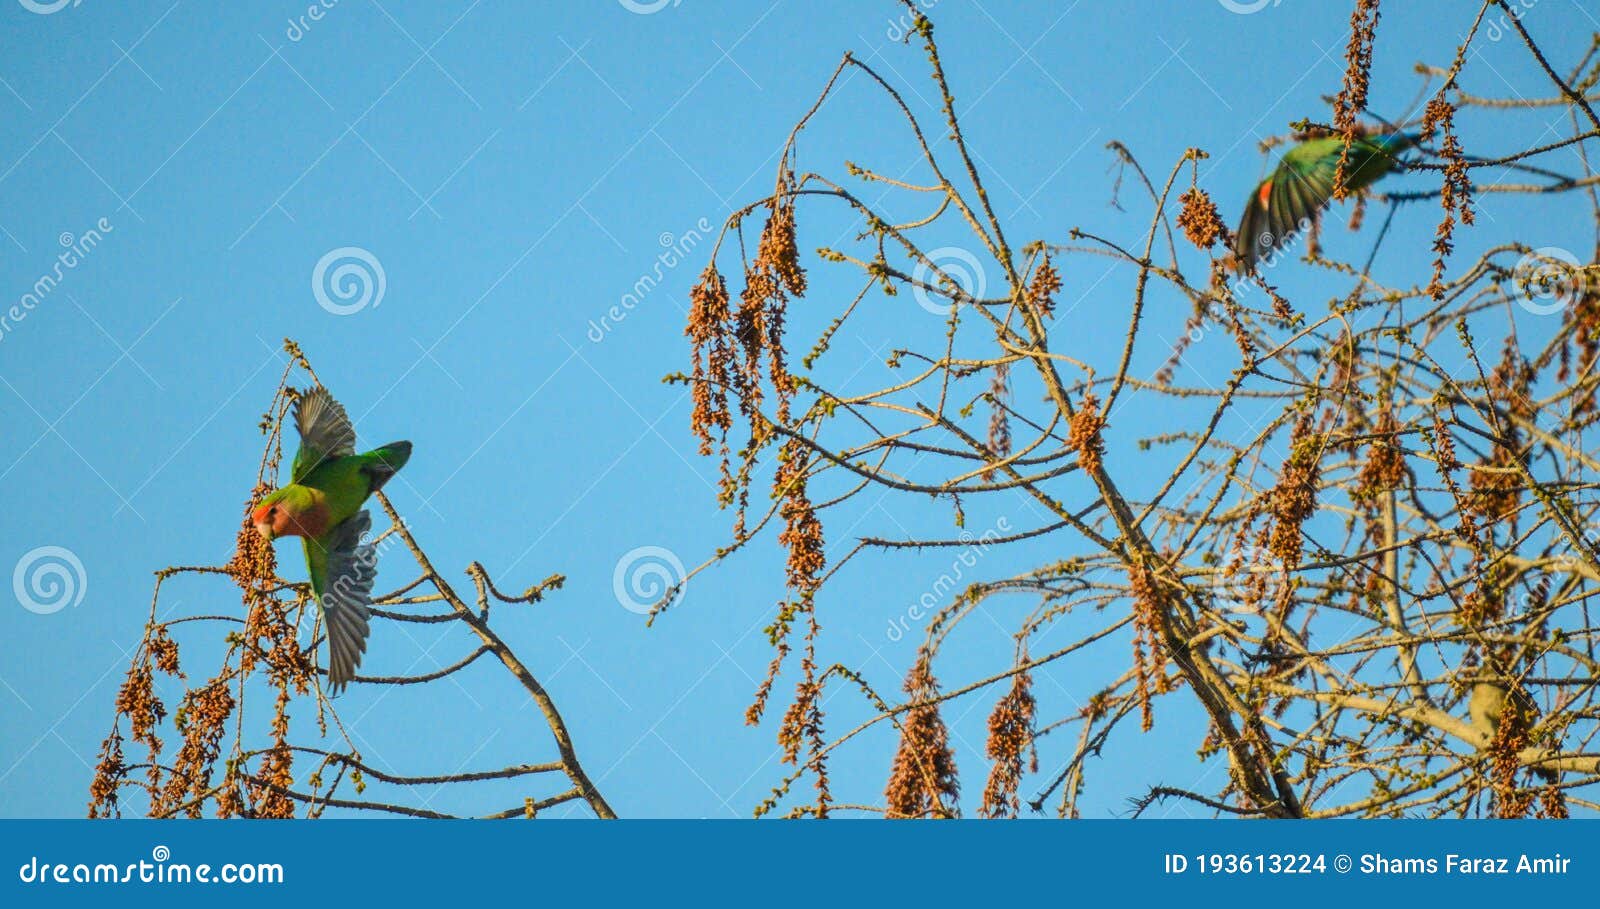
pixel 1302 186
pixel 322 506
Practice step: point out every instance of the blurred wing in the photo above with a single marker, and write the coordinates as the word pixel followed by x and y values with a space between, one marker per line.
pixel 343 567
pixel 325 432
pixel 1294 197
pixel 1301 187
pixel 1248 243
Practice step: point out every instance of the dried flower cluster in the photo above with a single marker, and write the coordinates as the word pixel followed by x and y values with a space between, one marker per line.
pixel 923 781
pixel 1456 195
pixel 1352 99
pixel 1294 499
pixel 1201 221
pixel 1083 435
pixel 1010 740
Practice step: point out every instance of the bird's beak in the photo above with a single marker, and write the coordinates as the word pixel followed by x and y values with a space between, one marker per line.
pixel 265 530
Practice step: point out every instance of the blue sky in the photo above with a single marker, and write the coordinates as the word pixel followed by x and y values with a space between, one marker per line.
pixel 514 169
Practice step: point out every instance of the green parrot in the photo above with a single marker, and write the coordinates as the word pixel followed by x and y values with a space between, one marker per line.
pixel 1302 186
pixel 322 506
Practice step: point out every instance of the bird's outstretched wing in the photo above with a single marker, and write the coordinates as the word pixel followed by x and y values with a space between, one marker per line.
pixel 325 432
pixel 1285 204
pixel 342 566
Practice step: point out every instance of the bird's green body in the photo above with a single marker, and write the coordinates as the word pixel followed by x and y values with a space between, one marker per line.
pixel 1302 185
pixel 328 484
pixel 330 493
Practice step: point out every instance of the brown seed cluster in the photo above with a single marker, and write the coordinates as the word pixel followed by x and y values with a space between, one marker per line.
pixel 802 531
pixel 1042 289
pixel 1385 469
pixel 923 782
pixel 1352 99
pixel 1294 498
pixel 1202 223
pixel 137 701
pixel 1456 194
pixel 738 358
pixel 1582 335
pixel 203 720
pixel 1149 651
pixel 183 786
pixel 1553 803
pixel 1083 433
pixel 1010 738
pixel 1486 602
pixel 269 788
pixel 802 725
pixel 164 651
pixel 713 361
pixel 1497 482
pixel 109 773
pixel 1505 766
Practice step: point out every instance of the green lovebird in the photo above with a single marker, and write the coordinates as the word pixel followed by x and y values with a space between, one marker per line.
pixel 322 506
pixel 1302 186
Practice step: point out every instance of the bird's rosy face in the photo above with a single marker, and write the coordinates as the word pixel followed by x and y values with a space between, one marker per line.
pixel 271 521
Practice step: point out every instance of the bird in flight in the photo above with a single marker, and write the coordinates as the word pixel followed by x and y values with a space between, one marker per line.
pixel 322 505
pixel 1295 194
